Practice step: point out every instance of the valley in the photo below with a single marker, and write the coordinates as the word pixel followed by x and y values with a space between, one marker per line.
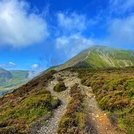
pixel 13 80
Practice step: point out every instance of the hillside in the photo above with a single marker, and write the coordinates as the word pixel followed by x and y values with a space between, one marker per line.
pixel 34 107
pixel 114 91
pixel 101 57
pixel 5 76
pixel 25 105
pixel 10 80
pixel 88 98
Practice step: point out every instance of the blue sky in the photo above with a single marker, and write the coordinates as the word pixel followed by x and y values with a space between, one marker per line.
pixel 35 35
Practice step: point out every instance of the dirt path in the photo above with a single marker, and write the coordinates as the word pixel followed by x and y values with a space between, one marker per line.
pixel 99 122
pixel 52 124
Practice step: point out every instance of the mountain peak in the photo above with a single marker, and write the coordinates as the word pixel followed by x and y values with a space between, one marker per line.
pixel 103 47
pixel 100 57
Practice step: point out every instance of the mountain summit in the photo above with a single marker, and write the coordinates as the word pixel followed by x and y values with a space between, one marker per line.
pixel 100 57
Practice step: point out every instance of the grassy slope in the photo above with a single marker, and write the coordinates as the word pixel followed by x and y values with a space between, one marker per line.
pixel 114 90
pixel 25 105
pixel 75 60
pixel 95 61
pixel 101 57
pixel 19 78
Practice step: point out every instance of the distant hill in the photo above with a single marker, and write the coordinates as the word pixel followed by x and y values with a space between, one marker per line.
pixel 101 57
pixel 5 76
pixel 9 80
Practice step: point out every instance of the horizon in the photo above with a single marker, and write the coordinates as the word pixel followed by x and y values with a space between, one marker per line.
pixel 34 71
pixel 37 35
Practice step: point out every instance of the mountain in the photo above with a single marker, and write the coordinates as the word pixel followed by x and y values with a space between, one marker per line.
pixel 91 97
pixel 9 80
pixel 5 76
pixel 101 57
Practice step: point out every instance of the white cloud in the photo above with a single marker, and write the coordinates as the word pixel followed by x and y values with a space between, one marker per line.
pixel 8 65
pixel 35 66
pixel 121 6
pixel 71 45
pixel 121 31
pixel 71 27
pixel 12 64
pixel 32 74
pixel 72 22
pixel 36 69
pixel 18 27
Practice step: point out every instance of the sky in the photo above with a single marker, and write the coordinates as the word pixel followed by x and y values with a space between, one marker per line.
pixel 38 34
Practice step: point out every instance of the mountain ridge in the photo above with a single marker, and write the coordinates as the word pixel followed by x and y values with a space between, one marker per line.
pixel 100 57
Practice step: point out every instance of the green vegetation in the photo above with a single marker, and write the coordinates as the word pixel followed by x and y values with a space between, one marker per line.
pixel 76 60
pixel 94 60
pixel 26 105
pixel 74 121
pixel 104 57
pixel 100 57
pixel 114 90
pixel 18 78
pixel 60 87
pixel 44 123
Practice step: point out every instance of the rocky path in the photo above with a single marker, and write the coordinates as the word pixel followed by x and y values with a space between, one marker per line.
pixel 98 120
pixel 52 124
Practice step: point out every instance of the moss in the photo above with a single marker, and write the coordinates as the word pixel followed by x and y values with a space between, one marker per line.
pixel 60 87
pixel 55 102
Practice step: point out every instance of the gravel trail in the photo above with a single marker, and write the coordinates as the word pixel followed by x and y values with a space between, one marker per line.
pixel 98 120
pixel 52 124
